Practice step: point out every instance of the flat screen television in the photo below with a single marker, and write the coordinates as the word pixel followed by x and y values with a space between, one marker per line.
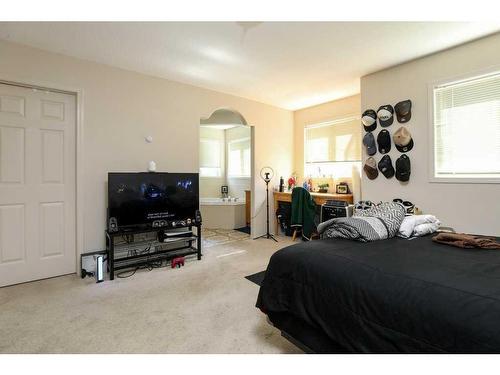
pixel 138 199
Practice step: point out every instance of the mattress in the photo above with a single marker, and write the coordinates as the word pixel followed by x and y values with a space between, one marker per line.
pixel 389 296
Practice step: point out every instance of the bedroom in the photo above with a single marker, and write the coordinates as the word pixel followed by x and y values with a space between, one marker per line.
pixel 130 213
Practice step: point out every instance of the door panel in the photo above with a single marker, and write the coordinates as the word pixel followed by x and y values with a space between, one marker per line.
pixel 12 105
pixel 52 229
pixel 37 184
pixel 12 245
pixel 52 156
pixel 11 155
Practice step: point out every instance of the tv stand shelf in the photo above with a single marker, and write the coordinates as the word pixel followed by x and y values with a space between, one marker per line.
pixel 131 253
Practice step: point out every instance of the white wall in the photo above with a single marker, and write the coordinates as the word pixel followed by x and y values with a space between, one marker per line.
pixel 121 107
pixel 472 208
pixel 237 185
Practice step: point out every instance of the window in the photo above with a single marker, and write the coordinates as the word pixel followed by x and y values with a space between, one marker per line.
pixel 238 158
pixel 332 148
pixel 466 130
pixel 210 158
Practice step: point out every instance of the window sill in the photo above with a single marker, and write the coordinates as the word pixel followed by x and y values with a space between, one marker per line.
pixel 464 180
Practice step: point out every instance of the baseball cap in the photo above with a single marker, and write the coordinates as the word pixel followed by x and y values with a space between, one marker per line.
pixel 403 111
pixel 370 168
pixel 369 142
pixel 369 120
pixel 384 141
pixel 402 139
pixel 385 166
pixel 385 115
pixel 403 168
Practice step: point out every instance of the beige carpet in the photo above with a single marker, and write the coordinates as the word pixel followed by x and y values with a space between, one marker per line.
pixel 205 307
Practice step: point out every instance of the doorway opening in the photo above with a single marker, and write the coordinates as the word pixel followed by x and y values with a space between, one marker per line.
pixel 226 175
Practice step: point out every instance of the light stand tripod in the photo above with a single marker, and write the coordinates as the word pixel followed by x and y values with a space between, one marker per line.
pixel 267 179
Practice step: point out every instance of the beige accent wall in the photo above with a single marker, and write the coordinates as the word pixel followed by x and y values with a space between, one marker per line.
pixel 471 208
pixel 122 107
pixel 330 111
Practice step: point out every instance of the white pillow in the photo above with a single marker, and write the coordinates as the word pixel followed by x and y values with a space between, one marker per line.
pixel 410 222
pixel 426 228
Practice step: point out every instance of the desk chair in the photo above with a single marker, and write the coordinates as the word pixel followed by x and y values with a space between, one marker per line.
pixel 303 214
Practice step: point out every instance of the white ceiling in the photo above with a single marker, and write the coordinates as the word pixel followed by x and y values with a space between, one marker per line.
pixel 288 64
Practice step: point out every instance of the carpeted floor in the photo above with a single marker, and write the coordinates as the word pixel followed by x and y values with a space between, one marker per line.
pixel 206 306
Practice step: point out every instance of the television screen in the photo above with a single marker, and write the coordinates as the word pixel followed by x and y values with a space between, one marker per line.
pixel 136 199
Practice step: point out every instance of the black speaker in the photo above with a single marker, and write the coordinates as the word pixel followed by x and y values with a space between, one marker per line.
pixel 197 217
pixel 112 225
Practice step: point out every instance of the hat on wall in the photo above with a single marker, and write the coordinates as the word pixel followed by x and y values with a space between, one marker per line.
pixel 384 142
pixel 369 120
pixel 402 139
pixel 369 142
pixel 385 115
pixel 403 111
pixel 385 166
pixel 370 168
pixel 403 168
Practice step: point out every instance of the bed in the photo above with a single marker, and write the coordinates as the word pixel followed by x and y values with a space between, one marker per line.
pixel 389 296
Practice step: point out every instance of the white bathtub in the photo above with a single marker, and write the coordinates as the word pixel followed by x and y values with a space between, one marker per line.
pixel 223 214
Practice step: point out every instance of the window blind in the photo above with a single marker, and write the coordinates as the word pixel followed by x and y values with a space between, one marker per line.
pixel 336 141
pixel 210 158
pixel 332 148
pixel 467 128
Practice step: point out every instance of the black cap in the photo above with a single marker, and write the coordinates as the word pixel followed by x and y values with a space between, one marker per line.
pixel 403 168
pixel 369 142
pixel 385 115
pixel 384 142
pixel 369 120
pixel 385 166
pixel 403 111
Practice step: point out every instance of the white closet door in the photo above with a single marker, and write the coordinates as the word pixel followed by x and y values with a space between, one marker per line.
pixel 37 184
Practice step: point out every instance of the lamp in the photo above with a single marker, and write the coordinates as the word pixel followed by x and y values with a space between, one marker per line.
pixel 267 175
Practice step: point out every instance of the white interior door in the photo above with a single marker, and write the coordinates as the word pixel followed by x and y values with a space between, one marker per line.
pixel 37 184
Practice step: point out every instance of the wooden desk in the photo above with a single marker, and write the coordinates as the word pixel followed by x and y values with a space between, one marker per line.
pixel 319 199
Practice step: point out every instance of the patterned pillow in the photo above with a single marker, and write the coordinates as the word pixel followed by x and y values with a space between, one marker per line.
pixel 391 214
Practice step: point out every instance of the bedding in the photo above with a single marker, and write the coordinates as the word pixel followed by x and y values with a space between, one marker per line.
pixel 418 225
pixel 387 296
pixel 377 223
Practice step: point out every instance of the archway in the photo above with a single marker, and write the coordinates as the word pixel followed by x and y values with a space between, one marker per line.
pixel 226 167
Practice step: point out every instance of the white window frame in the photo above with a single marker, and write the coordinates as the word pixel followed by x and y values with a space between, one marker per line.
pixel 338 120
pixel 239 140
pixel 430 95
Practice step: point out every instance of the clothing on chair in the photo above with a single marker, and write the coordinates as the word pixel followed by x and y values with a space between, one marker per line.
pixel 303 212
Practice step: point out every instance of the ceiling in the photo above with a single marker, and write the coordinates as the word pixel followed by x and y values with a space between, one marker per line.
pixel 287 64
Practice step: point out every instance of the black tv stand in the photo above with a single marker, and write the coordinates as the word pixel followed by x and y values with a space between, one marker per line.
pixel 122 255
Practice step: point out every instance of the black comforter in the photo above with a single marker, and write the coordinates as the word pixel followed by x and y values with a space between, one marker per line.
pixel 389 296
